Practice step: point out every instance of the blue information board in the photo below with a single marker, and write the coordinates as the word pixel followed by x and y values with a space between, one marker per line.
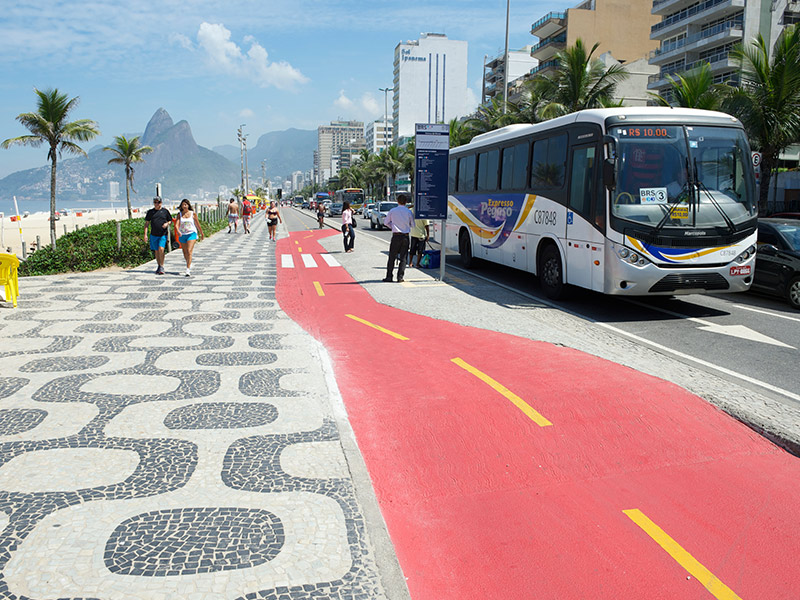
pixel 432 155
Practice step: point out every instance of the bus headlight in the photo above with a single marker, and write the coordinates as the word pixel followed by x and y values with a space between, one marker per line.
pixel 634 258
pixel 751 251
pixel 623 252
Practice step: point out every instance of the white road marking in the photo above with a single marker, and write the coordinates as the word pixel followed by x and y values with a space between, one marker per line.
pixel 739 331
pixel 309 261
pixel 767 312
pixel 332 262
pixel 287 262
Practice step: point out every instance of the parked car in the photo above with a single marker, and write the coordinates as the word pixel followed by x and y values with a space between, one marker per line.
pixel 366 209
pixel 785 215
pixel 335 209
pixel 778 259
pixel 378 214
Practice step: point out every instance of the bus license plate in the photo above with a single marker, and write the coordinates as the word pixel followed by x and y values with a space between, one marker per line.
pixel 742 270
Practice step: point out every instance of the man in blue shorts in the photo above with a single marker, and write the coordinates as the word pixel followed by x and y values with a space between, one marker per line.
pixel 159 219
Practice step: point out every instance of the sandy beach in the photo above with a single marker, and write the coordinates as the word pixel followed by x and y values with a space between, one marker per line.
pixel 38 224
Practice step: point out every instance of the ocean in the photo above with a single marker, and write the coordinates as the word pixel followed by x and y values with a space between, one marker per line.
pixel 43 206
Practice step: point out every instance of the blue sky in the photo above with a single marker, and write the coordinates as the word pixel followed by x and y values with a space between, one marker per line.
pixel 272 64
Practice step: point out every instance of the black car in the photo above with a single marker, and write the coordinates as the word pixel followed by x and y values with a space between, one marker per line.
pixel 778 259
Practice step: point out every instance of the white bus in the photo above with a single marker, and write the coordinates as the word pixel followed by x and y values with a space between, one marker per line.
pixel 632 201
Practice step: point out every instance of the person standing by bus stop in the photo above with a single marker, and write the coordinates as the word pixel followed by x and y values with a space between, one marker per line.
pixel 401 220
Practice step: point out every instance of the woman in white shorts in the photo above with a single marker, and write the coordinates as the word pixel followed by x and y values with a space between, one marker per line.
pixel 188 228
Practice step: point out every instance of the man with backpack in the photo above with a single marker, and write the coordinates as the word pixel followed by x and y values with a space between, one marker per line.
pixel 247 210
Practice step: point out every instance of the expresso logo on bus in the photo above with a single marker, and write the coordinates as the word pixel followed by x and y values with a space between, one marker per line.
pixel 497 209
pixel 545 217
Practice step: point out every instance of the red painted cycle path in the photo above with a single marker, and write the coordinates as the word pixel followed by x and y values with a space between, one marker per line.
pixel 481 502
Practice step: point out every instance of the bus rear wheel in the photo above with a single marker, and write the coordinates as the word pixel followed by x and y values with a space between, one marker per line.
pixel 465 250
pixel 550 274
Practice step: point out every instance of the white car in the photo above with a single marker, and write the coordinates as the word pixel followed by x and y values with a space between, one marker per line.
pixel 365 210
pixel 378 214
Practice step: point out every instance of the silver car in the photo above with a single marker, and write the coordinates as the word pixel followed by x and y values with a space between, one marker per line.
pixel 378 214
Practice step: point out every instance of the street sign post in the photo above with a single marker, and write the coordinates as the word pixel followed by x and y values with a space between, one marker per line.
pixel 431 160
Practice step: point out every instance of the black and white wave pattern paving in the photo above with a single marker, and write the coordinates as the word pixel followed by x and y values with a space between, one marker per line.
pixel 170 437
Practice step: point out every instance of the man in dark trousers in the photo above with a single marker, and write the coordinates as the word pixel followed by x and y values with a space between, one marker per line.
pixel 158 219
pixel 401 220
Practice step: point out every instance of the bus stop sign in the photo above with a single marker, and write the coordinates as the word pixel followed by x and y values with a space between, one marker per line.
pixel 432 155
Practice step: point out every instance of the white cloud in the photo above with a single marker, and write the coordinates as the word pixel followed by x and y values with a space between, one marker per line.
pixel 254 65
pixel 246 112
pixel 181 40
pixel 365 107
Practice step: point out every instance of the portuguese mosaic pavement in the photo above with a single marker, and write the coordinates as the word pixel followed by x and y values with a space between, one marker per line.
pixel 172 437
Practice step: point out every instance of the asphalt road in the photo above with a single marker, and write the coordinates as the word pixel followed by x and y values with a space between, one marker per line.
pixel 749 338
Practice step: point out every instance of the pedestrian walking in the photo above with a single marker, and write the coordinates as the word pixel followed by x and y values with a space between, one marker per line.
pixel 233 215
pixel 320 213
pixel 401 220
pixel 247 210
pixel 348 231
pixel 158 219
pixel 419 237
pixel 273 216
pixel 188 228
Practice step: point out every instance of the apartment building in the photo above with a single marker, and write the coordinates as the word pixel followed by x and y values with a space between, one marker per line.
pixel 520 64
pixel 692 33
pixel 330 139
pixel 378 135
pixel 621 27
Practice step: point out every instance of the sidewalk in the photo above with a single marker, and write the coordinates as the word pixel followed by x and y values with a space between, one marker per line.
pixel 171 437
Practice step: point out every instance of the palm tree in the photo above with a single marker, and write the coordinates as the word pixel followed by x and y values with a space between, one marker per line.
pixel 694 89
pixel 390 163
pixel 49 125
pixel 460 134
pixel 408 161
pixel 768 101
pixel 495 114
pixel 578 83
pixel 128 152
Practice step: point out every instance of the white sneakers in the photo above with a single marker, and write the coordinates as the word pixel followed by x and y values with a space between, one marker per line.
pixel 188 272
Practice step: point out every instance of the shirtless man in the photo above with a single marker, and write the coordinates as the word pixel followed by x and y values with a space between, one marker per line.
pixel 233 215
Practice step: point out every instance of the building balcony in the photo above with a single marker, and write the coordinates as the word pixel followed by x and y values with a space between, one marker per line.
pixel 551 23
pixel 667 7
pixel 719 63
pixel 544 67
pixel 695 14
pixel 549 46
pixel 717 35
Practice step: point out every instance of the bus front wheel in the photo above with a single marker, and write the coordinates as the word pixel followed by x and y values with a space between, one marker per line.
pixel 550 274
pixel 465 250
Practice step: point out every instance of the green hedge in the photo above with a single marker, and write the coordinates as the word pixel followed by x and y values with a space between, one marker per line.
pixel 95 247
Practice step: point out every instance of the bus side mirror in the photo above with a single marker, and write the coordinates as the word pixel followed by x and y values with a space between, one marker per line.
pixel 609 173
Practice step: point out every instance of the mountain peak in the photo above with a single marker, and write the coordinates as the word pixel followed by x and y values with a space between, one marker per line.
pixel 158 124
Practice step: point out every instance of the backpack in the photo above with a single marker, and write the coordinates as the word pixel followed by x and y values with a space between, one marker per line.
pixel 246 208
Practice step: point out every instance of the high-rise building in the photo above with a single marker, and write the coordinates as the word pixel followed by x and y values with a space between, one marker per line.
pixel 520 64
pixel 621 27
pixel 377 136
pixel 348 152
pixel 430 83
pixel 297 181
pixel 113 190
pixel 690 34
pixel 329 139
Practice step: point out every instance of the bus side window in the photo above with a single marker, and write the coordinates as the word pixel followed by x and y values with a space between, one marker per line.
pixel 466 173
pixel 487 170
pixel 582 188
pixel 515 167
pixel 451 176
pixel 549 161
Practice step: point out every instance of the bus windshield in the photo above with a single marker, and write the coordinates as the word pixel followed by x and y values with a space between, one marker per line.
pixel 682 177
pixel 351 196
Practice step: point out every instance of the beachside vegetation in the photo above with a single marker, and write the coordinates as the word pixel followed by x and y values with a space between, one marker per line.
pixel 95 247
pixel 49 125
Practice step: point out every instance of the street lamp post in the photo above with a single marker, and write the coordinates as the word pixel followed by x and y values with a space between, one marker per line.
pixel 505 62
pixel 241 150
pixel 386 91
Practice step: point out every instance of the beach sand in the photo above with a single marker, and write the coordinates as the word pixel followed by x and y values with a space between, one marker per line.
pixel 38 224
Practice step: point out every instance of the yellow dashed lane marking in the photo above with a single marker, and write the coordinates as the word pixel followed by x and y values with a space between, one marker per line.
pixel 378 327
pixel 687 561
pixel 535 416
pixel 319 288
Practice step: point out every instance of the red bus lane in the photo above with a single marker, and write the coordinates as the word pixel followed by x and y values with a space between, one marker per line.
pixel 507 468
